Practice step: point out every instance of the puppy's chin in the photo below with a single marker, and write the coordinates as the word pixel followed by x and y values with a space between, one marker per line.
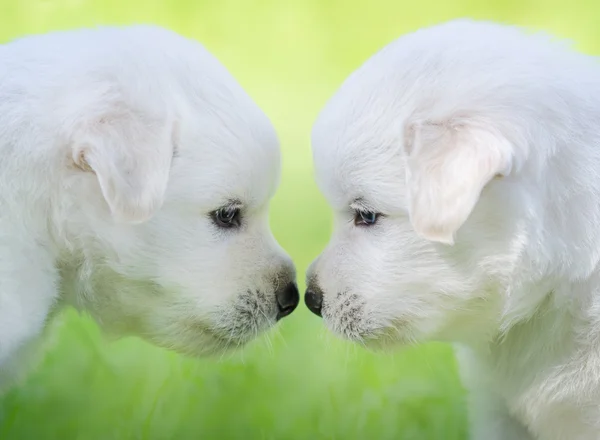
pixel 390 338
pixel 207 346
pixel 203 341
pixel 382 341
pixel 224 331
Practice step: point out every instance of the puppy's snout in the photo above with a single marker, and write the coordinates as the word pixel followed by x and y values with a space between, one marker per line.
pixel 287 300
pixel 313 298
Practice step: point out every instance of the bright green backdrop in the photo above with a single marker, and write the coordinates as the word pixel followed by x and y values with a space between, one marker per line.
pixel 299 382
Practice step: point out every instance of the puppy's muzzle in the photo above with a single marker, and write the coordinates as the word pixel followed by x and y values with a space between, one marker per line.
pixel 287 300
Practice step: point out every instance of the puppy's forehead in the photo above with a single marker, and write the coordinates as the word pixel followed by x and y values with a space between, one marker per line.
pixel 355 161
pixel 219 161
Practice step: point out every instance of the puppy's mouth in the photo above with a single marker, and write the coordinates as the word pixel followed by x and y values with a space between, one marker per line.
pixel 245 319
pixel 227 329
pixel 345 315
pixel 348 316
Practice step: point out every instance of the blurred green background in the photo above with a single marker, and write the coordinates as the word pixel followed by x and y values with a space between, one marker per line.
pixel 297 382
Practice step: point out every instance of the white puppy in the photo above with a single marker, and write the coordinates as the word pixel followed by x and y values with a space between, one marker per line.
pixel 463 165
pixel 135 179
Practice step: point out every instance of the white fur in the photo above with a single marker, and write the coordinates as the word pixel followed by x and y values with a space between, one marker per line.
pixel 116 144
pixel 480 146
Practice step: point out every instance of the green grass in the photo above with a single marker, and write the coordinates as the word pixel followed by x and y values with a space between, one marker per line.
pixel 299 382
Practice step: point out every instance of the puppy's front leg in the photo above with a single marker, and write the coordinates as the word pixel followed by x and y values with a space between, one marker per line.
pixel 489 418
pixel 28 290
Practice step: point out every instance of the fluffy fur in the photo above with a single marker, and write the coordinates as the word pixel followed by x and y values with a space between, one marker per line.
pixel 116 145
pixel 479 146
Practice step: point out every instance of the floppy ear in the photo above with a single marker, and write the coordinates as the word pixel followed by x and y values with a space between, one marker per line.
pixel 448 165
pixel 131 154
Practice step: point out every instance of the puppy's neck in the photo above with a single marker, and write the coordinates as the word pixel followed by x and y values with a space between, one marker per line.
pixel 561 327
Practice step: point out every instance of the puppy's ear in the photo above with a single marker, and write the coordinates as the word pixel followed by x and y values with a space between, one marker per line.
pixel 131 154
pixel 448 165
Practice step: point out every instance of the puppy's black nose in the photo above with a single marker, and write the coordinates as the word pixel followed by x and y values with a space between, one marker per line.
pixel 313 298
pixel 287 300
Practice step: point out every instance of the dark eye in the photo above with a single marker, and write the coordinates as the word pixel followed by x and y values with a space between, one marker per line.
pixel 365 218
pixel 227 217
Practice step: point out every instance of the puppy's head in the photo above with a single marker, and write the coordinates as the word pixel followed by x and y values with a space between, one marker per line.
pixel 402 265
pixel 167 202
pixel 421 156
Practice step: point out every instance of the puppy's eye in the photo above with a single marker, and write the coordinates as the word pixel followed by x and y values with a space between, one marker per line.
pixel 365 218
pixel 227 217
